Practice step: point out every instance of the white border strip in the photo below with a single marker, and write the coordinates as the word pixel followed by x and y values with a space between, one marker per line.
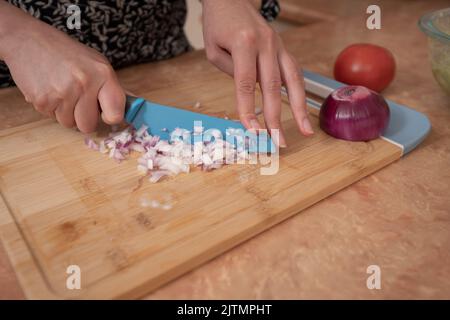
pixel 393 142
pixel 317 88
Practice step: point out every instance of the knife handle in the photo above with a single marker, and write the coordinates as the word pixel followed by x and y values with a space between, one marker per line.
pixel 132 106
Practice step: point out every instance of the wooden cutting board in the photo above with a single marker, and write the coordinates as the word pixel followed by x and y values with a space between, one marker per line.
pixel 62 204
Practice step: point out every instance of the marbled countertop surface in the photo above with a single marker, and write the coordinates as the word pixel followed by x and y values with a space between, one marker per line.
pixel 397 218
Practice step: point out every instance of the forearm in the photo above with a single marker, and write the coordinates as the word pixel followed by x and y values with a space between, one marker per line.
pixel 13 25
pixel 255 3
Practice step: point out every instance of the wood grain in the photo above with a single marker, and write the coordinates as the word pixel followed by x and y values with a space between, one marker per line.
pixel 64 204
pixel 397 218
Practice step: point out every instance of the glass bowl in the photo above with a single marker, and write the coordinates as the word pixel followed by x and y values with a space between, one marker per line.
pixel 436 25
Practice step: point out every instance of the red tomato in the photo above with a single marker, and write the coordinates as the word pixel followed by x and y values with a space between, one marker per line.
pixel 365 65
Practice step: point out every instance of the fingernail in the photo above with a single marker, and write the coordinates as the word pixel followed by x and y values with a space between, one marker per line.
pixel 282 142
pixel 255 124
pixel 279 139
pixel 307 126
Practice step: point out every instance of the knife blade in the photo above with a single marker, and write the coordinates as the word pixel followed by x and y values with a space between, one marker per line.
pixel 162 120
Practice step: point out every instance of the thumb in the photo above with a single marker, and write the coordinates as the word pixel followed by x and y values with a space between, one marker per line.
pixel 111 98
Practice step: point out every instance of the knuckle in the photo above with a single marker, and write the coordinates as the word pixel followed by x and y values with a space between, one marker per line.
pixel 82 80
pixel 247 36
pixel 273 85
pixel 105 69
pixel 74 88
pixel 212 56
pixel 293 77
pixel 246 86
pixel 40 102
pixel 270 36
pixel 59 92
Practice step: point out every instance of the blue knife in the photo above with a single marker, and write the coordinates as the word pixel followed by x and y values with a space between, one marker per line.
pixel 162 120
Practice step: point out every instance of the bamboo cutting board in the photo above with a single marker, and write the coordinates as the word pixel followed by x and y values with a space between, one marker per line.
pixel 62 204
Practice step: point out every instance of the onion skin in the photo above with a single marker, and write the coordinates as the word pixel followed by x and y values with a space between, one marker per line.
pixel 354 113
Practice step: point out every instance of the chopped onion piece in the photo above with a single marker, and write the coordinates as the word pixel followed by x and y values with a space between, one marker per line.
pixel 157 175
pixel 91 143
pixel 161 158
pixel 142 169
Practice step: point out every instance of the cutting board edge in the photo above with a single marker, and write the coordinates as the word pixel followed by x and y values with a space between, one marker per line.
pixel 26 269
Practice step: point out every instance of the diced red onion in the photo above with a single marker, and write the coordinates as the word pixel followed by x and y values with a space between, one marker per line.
pixel 157 175
pixel 161 158
pixel 91 144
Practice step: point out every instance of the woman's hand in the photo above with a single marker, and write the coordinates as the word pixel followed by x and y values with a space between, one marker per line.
pixel 61 77
pixel 240 43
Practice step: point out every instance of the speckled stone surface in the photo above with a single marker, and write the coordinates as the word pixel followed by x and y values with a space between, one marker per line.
pixel 397 218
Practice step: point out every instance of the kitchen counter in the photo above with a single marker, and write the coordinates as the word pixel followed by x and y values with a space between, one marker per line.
pixel 310 11
pixel 397 218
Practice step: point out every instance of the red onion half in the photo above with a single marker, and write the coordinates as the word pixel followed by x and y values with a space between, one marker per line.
pixel 354 113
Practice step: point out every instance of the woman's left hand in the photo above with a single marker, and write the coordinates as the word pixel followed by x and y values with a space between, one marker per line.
pixel 240 42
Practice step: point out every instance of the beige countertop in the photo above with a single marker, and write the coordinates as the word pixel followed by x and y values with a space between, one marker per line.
pixel 397 218
pixel 310 11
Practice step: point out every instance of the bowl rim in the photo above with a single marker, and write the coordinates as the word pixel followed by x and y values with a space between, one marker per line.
pixel 427 26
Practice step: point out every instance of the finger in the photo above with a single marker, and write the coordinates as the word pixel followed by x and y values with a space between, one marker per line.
pixel 293 79
pixel 86 112
pixel 64 113
pixel 270 83
pixel 53 115
pixel 45 104
pixel 51 108
pixel 244 60
pixel 111 98
pixel 221 59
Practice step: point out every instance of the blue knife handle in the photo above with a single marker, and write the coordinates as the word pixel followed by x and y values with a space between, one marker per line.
pixel 132 107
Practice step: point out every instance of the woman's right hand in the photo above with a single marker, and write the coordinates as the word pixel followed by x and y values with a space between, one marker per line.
pixel 61 77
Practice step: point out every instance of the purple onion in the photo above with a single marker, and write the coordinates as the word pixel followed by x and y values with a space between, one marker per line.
pixel 354 113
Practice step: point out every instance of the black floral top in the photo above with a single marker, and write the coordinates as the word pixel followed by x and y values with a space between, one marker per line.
pixel 125 31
